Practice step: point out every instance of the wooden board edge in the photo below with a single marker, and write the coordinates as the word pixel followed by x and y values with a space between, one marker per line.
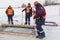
pixel 17 34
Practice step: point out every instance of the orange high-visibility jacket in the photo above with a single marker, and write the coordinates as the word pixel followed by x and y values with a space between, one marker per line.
pixel 28 9
pixel 9 12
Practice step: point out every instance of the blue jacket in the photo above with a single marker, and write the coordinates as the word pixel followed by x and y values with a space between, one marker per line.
pixel 39 11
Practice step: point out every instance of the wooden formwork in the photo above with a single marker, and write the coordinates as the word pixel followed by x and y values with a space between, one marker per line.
pixel 17 26
pixel 24 26
pixel 18 34
pixel 28 26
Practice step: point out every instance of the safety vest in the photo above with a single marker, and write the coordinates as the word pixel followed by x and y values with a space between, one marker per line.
pixel 43 13
pixel 9 11
pixel 28 9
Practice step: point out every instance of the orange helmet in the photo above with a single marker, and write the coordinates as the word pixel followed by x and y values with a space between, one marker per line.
pixel 36 2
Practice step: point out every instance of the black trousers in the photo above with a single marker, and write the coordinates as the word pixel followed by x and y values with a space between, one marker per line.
pixel 27 19
pixel 10 19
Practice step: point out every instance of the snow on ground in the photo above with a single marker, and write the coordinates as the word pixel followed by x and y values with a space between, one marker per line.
pixel 52 32
pixel 11 37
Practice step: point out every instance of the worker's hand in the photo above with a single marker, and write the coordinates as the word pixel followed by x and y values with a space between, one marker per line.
pixel 34 17
pixel 37 16
pixel 22 10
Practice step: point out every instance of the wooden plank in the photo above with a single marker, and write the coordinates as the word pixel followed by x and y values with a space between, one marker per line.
pixel 17 26
pixel 18 34
pixel 28 26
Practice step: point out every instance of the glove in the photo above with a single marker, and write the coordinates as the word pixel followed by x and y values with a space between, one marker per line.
pixel 35 17
pixel 22 11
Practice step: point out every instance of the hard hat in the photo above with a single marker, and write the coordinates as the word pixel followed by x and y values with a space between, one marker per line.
pixel 36 2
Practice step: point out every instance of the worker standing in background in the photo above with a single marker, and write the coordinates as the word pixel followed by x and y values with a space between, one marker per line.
pixel 10 14
pixel 28 13
pixel 39 15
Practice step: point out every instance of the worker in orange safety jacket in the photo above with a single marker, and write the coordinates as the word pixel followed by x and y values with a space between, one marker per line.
pixel 28 13
pixel 10 14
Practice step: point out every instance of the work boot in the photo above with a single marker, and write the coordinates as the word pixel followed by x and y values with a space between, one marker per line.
pixel 12 22
pixel 42 35
pixel 25 23
pixel 37 36
pixel 28 23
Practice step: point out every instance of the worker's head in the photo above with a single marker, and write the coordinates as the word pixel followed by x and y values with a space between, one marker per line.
pixel 29 4
pixel 9 6
pixel 35 3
